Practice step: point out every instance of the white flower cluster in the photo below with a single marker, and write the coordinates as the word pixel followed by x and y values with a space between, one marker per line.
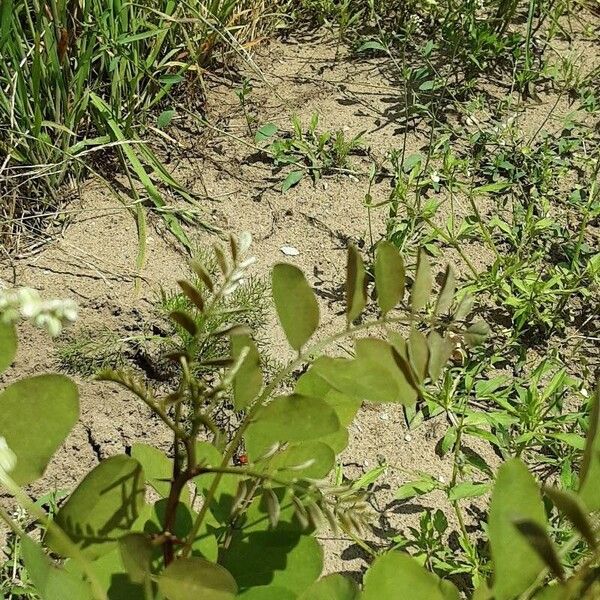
pixel 26 303
pixel 237 276
pixel 415 23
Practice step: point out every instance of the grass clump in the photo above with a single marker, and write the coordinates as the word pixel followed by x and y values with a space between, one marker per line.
pixel 82 85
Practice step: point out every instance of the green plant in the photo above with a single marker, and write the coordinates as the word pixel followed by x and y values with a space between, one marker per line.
pixel 308 152
pixel 246 303
pixel 217 519
pixel 243 93
pixel 84 81
pixel 14 581
pixel 89 350
pixel 92 350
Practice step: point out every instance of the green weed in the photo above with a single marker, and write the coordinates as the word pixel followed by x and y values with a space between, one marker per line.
pixel 308 152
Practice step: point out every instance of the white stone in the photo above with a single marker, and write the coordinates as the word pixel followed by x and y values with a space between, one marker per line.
pixel 290 250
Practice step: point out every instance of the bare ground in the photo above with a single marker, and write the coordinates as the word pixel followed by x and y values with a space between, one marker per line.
pixel 94 260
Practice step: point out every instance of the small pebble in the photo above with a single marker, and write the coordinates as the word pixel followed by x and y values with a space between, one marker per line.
pixel 384 417
pixel 365 463
pixel 290 250
pixel 407 437
pixel 441 479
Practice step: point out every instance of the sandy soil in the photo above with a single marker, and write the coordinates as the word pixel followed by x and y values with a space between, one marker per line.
pixel 94 261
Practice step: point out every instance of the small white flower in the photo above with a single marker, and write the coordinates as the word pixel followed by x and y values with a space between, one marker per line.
pixel 70 311
pixel 27 304
pixel 20 514
pixel 229 289
pixel 29 301
pixel 290 250
pixel 435 177
pixel 247 263
pixel 245 241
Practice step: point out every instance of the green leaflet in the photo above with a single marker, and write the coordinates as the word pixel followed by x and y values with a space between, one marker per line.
pixel 421 288
pixel 103 507
pixel 276 558
pixel 516 496
pixel 389 276
pixel 248 380
pixel 332 587
pixel 36 415
pixel 293 418
pixel 158 468
pixel 356 284
pixel 51 583
pixel 194 577
pixel 8 345
pixel 375 374
pixel 590 463
pixel 397 575
pixel 136 554
pixel 296 304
